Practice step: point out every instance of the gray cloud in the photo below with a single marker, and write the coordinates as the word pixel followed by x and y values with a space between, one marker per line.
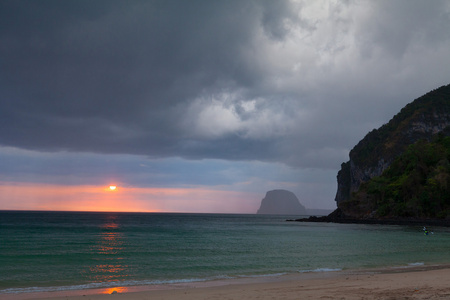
pixel 295 82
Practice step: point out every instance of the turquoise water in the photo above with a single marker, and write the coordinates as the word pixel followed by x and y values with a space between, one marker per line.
pixel 48 251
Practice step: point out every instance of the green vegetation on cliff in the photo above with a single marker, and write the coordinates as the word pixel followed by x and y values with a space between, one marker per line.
pixel 402 169
pixel 392 138
pixel 416 184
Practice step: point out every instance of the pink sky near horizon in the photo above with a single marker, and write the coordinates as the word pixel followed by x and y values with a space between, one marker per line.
pixel 30 196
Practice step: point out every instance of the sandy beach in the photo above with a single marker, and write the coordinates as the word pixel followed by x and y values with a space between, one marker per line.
pixel 412 283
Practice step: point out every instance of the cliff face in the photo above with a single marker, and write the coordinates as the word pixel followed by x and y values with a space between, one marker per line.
pixel 281 202
pixel 422 119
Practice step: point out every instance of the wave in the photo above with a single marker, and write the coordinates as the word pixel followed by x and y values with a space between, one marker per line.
pixel 415 264
pixel 321 270
pixel 262 275
pixel 410 265
pixel 97 285
pixel 128 283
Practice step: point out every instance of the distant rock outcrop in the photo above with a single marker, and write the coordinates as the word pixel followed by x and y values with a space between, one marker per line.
pixel 281 202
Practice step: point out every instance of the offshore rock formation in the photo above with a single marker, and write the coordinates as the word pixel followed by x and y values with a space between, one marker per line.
pixel 422 120
pixel 281 202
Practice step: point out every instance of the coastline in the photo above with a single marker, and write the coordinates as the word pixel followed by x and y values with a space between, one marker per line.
pixel 404 222
pixel 413 282
pixel 338 217
pixel 301 257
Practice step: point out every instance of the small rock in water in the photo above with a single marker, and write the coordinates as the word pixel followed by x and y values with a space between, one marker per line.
pixel 114 292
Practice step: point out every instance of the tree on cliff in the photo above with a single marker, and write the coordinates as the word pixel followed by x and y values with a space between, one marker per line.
pixel 417 184
pixel 401 169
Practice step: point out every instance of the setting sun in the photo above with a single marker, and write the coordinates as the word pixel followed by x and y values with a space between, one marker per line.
pixel 112 187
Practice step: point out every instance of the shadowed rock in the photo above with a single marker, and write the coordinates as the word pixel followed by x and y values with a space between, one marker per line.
pixel 281 202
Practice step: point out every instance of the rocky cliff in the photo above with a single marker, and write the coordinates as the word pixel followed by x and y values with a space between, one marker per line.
pixel 422 119
pixel 281 202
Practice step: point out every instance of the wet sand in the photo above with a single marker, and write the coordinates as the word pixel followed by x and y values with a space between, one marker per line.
pixel 408 283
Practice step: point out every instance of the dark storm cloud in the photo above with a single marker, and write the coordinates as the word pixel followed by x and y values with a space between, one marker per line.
pixel 266 80
pixel 97 75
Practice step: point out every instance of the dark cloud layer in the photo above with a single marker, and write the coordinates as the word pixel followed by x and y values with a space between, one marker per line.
pixel 293 82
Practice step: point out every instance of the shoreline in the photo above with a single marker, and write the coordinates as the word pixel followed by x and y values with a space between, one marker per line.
pixel 335 217
pixel 424 280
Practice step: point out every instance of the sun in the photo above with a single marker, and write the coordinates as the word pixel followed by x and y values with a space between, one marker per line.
pixel 112 187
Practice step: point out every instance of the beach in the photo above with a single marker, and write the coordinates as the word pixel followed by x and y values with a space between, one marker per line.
pixel 410 283
pixel 75 256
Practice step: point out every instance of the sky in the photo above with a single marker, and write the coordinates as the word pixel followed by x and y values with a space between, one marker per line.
pixel 202 106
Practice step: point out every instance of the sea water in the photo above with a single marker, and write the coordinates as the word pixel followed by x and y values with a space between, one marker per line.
pixel 51 251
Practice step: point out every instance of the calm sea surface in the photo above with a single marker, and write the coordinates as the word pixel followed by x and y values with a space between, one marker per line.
pixel 50 251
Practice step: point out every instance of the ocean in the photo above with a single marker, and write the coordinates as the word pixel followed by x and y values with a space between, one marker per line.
pixel 57 251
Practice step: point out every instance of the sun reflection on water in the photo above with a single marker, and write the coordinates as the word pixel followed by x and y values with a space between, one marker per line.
pixel 110 243
pixel 119 289
pixel 108 253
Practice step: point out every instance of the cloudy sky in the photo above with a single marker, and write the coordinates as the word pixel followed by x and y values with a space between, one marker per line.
pixel 202 106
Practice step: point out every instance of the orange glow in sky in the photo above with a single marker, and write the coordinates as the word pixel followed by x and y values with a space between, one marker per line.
pixel 31 196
